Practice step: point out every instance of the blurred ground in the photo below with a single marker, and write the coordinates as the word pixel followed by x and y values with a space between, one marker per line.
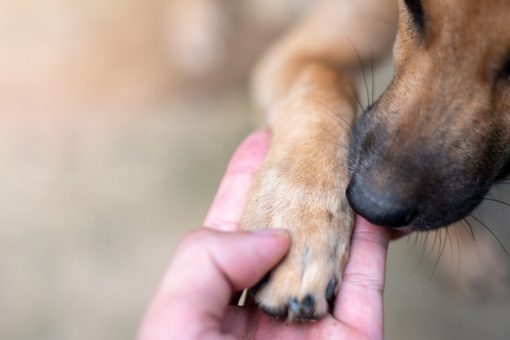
pixel 91 208
pixel 109 153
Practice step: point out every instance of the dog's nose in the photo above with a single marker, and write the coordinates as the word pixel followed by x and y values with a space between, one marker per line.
pixel 382 206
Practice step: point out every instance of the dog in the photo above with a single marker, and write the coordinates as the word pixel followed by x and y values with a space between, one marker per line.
pixel 421 157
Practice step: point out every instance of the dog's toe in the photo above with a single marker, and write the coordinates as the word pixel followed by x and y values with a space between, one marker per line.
pixel 307 310
pixel 275 312
pixel 303 309
pixel 295 309
pixel 330 289
pixel 286 296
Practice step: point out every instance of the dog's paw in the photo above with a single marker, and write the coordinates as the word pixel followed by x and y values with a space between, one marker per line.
pixel 303 286
pixel 310 203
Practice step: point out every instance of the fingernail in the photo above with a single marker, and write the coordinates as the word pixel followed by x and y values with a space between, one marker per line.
pixel 270 232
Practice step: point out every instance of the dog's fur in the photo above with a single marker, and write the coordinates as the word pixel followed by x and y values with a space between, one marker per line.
pixel 422 157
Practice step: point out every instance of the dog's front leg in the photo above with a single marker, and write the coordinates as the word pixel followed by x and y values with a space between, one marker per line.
pixel 301 188
pixel 311 102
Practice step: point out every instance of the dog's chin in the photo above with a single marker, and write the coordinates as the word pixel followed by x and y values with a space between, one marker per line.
pixel 427 223
pixel 423 223
pixel 396 233
pixel 432 211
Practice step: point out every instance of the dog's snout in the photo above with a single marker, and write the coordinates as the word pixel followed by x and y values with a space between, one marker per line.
pixel 383 206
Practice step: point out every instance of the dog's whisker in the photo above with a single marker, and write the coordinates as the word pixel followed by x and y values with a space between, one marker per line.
pixel 423 249
pixel 415 239
pixel 457 238
pixel 441 251
pixel 366 87
pixel 411 244
pixel 449 240
pixel 492 233
pixel 358 58
pixel 469 228
pixel 360 105
pixel 496 200
pixel 373 80
pixel 334 141
pixel 329 133
pixel 363 73
pixel 449 237
pixel 433 244
pixel 334 115
pixel 336 144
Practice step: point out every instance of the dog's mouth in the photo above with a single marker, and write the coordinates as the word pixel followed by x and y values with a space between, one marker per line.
pixel 424 213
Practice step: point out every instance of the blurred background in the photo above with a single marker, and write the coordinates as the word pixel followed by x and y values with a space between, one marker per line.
pixel 117 119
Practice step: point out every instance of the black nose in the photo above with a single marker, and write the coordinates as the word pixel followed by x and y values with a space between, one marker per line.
pixel 383 206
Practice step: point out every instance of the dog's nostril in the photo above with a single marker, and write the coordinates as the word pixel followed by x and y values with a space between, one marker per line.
pixel 382 207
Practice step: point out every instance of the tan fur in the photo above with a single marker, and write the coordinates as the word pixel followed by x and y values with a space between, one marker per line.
pixel 443 63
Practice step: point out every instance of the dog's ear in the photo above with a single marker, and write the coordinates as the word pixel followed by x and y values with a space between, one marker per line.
pixel 416 10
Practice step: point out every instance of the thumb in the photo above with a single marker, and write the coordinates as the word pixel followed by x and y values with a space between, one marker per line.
pixel 207 268
pixel 220 263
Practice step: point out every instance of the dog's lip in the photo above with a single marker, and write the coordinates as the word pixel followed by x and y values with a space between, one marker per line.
pixel 395 233
pixel 401 232
pixel 405 229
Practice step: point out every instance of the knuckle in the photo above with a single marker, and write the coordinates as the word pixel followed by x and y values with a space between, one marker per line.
pixel 364 236
pixel 194 239
pixel 363 280
pixel 222 224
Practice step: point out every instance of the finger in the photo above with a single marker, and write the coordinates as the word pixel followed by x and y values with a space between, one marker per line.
pixel 360 300
pixel 252 323
pixel 207 268
pixel 225 260
pixel 228 205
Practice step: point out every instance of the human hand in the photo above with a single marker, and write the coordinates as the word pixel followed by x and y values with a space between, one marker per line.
pixel 209 267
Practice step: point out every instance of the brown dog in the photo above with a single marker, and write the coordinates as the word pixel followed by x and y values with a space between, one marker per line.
pixel 422 157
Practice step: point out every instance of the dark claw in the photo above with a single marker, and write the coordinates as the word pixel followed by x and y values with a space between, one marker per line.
pixel 302 310
pixel 330 290
pixel 307 307
pixel 294 307
pixel 330 294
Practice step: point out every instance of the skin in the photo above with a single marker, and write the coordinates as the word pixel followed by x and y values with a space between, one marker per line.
pixel 212 264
